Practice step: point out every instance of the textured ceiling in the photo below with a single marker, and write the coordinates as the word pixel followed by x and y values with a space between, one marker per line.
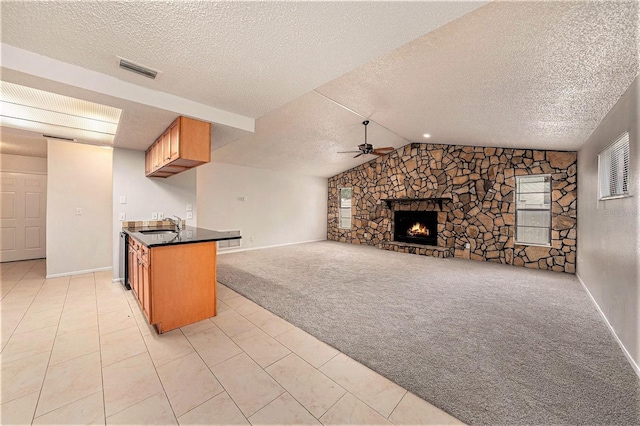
pixel 304 136
pixel 17 142
pixel 513 74
pixel 244 57
pixel 510 74
pixel 528 75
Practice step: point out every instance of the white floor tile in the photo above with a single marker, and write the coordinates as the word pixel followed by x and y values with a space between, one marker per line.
pixel 70 381
pixel 250 387
pixel 283 410
pixel 188 382
pixel 379 392
pixel 219 410
pixel 307 347
pixel 86 411
pixel 309 386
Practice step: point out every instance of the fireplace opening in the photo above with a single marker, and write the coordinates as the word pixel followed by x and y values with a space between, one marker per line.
pixel 416 227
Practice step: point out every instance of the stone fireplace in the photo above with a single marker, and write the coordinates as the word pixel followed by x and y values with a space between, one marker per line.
pixel 416 227
pixel 472 192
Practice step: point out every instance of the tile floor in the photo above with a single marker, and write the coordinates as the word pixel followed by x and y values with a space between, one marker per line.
pixel 77 350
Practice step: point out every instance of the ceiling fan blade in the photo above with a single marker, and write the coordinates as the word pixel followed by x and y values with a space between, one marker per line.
pixel 358 155
pixel 386 148
pixel 346 152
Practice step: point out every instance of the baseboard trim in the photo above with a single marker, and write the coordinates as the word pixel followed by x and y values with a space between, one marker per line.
pixel 85 271
pixel 220 252
pixel 626 353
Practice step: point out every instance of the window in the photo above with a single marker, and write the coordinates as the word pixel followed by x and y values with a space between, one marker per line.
pixel 533 210
pixel 613 169
pixel 345 208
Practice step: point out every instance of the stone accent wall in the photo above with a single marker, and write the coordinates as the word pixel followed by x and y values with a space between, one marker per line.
pixel 480 183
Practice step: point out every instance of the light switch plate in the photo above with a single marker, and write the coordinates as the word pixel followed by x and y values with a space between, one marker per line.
pixel 154 216
pixel 122 217
pixel 123 199
pixel 160 216
pixel 189 207
pixel 189 215
pixel 78 211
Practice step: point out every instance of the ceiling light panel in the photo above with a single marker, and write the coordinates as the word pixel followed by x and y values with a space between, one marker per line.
pixel 31 109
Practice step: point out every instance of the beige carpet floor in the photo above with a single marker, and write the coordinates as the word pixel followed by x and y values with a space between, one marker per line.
pixel 490 344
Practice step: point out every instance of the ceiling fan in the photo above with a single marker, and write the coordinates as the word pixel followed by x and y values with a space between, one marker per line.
pixel 367 148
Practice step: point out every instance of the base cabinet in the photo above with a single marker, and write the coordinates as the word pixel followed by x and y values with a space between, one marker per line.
pixel 174 285
pixel 139 275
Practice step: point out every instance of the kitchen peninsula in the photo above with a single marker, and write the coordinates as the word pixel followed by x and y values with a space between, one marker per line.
pixel 173 273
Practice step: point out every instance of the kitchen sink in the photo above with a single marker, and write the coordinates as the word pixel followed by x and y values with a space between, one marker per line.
pixel 158 231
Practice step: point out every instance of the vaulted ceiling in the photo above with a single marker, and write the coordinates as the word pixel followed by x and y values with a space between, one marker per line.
pixel 287 84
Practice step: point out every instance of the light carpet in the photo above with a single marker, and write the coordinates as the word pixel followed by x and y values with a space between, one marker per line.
pixel 490 344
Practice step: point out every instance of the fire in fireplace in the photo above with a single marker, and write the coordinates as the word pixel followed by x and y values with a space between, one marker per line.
pixel 416 227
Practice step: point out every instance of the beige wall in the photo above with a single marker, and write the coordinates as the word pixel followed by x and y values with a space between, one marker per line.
pixel 608 231
pixel 20 163
pixel 79 176
pixel 147 195
pixel 278 208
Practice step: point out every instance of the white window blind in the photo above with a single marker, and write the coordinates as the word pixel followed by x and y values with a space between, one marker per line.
pixel 533 210
pixel 345 208
pixel 613 169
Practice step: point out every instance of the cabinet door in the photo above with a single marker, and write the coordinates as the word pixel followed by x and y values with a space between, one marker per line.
pixel 174 136
pixel 156 152
pixel 145 286
pixel 132 267
pixel 148 162
pixel 134 271
pixel 166 148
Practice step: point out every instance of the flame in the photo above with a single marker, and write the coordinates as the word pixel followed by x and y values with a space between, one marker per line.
pixel 418 229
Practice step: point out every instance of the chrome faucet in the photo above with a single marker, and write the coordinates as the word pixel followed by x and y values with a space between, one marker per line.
pixel 176 223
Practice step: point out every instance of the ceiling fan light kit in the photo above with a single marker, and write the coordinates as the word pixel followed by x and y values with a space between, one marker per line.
pixel 367 148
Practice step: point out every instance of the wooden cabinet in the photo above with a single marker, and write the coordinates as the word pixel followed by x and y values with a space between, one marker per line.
pixel 175 285
pixel 186 143
pixel 139 276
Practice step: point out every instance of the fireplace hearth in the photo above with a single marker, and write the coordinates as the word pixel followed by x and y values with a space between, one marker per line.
pixel 417 227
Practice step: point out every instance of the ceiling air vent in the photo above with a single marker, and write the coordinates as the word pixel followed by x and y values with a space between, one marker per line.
pixel 59 138
pixel 138 69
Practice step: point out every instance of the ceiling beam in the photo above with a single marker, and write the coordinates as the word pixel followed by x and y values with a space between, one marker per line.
pixel 51 69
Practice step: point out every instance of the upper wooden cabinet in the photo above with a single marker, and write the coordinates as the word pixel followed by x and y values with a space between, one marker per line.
pixel 183 145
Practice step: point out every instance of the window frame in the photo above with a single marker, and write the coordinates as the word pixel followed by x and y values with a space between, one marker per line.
pixel 550 210
pixel 340 208
pixel 602 169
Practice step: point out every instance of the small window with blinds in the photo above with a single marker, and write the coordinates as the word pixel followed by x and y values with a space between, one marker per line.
pixel 613 169
pixel 345 208
pixel 533 210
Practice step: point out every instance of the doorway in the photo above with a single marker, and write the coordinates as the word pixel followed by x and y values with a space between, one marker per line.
pixel 23 207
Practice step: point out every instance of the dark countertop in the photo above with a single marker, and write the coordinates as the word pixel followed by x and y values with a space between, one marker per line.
pixel 188 235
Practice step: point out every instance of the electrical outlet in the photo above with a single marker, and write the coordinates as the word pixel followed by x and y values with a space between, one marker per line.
pixel 122 217
pixel 366 235
pixel 154 216
pixel 78 211
pixel 241 198
pixel 189 207
pixel 467 245
pixel 160 216
pixel 189 215
pixel 123 199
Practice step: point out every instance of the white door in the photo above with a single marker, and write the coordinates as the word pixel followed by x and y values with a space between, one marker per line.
pixel 23 207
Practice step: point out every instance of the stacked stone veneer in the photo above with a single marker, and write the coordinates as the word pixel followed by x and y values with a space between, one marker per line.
pixel 480 183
